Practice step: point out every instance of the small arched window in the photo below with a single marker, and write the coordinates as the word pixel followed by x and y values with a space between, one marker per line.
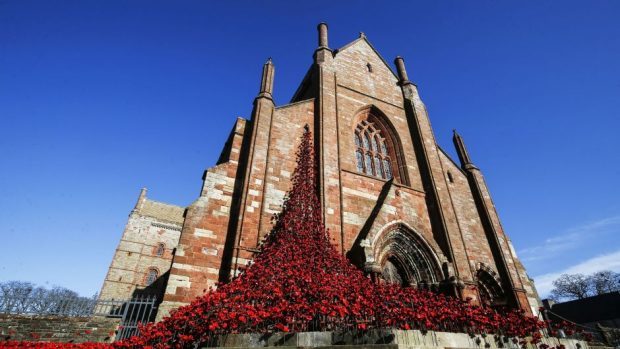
pixel 371 153
pixel 151 276
pixel 159 251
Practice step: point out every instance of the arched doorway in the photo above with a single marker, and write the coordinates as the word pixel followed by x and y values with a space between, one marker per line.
pixel 404 258
pixel 393 272
pixel 489 288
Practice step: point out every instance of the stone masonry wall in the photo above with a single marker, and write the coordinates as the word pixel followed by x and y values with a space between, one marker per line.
pixel 201 249
pixel 57 329
pixel 271 176
pixel 358 88
pixel 387 339
pixel 478 249
pixel 149 225
pixel 222 229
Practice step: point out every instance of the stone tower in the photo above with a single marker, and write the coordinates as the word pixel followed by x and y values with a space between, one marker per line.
pixel 142 259
pixel 395 203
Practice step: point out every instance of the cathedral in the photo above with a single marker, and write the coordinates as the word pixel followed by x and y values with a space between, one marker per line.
pixel 396 205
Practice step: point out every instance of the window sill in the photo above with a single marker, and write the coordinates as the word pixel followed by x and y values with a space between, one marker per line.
pixel 400 185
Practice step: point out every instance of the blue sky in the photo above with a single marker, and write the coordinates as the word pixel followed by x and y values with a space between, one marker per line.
pixel 101 98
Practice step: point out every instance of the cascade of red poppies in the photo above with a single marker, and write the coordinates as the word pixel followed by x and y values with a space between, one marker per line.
pixel 299 282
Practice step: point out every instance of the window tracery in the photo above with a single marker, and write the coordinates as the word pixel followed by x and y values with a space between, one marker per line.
pixel 371 155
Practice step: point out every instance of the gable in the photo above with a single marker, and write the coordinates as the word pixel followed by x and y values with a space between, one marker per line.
pixel 352 71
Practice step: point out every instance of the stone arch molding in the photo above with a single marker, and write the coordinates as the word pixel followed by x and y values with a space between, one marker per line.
pixel 489 284
pixel 397 246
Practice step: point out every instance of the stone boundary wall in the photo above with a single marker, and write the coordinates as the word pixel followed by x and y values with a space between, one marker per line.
pixel 392 339
pixel 57 328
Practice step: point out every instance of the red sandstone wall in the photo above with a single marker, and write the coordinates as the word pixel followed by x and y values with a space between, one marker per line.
pixel 196 264
pixel 344 87
pixel 284 137
pixel 476 243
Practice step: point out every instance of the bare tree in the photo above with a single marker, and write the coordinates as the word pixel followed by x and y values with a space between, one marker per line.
pixel 578 286
pixel 571 286
pixel 605 281
pixel 14 295
pixel 24 298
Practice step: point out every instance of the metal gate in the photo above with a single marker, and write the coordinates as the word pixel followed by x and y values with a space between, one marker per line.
pixel 133 312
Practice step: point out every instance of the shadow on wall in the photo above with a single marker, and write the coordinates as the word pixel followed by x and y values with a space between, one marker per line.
pixel 156 289
pixel 356 254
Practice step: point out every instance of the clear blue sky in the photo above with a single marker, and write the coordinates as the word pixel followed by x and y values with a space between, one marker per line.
pixel 101 98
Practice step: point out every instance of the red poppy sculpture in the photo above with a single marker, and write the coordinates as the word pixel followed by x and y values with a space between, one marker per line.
pixel 299 282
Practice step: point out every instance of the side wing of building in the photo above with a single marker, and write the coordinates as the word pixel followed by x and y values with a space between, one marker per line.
pixel 142 260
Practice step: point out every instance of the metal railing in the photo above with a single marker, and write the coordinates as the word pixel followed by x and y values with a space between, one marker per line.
pixel 131 312
pixel 48 305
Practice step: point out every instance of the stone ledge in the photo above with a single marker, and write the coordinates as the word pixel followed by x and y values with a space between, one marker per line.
pixel 388 339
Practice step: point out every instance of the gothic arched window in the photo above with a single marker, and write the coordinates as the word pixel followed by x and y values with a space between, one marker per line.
pixel 151 276
pixel 371 155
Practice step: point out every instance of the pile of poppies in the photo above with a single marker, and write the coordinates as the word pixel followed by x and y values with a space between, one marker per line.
pixel 299 282
pixel 48 345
